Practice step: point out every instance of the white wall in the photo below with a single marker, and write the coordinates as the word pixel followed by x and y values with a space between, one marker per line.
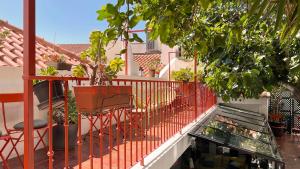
pixel 12 82
pixel 257 105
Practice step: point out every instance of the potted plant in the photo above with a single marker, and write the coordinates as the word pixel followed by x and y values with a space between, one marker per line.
pixel 153 67
pixel 57 61
pixel 59 128
pixel 41 88
pixel 184 75
pixel 89 98
pixel 276 120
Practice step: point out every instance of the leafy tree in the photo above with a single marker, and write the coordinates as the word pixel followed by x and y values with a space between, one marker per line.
pixel 239 42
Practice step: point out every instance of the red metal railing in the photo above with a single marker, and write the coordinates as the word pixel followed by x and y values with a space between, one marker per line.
pixel 159 110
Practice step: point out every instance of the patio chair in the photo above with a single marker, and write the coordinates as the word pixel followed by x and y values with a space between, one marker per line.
pixel 6 140
pixel 17 132
pixel 296 131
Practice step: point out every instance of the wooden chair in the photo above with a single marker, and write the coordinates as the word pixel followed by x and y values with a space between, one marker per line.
pixel 17 132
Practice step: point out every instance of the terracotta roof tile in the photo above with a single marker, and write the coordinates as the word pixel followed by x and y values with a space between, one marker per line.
pixel 11 51
pixel 75 48
pixel 144 59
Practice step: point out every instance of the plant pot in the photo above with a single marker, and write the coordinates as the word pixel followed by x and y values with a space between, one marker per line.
pixel 277 128
pixel 59 136
pixel 64 66
pixel 156 74
pixel 52 63
pixel 90 99
pixel 152 73
pixel 41 90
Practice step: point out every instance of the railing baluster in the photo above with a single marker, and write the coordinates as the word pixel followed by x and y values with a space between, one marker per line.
pixel 151 118
pixel 50 151
pixel 142 123
pixel 91 140
pixel 66 90
pixel 135 123
pixel 146 111
pixel 79 142
pixel 101 135
pixel 125 129
pixel 131 127
pixel 110 138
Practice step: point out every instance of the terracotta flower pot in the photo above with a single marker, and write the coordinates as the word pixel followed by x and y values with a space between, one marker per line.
pixel 89 99
pixel 152 73
pixel 64 66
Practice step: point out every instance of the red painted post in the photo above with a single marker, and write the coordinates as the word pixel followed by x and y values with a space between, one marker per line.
pixel 28 70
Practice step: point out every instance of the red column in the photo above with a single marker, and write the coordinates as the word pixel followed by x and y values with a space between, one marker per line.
pixel 28 59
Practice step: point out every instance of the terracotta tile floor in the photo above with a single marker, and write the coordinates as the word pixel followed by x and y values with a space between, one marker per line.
pixel 290 150
pixel 148 143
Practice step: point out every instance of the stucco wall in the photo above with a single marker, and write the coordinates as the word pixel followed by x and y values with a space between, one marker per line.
pixel 257 105
pixel 12 82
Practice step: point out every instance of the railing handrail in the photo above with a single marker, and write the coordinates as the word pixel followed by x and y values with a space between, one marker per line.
pixel 64 78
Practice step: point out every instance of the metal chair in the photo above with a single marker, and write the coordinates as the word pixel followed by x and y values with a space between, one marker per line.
pixel 6 140
pixel 17 132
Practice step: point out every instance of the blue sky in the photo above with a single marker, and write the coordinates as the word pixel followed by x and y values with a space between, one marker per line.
pixel 59 21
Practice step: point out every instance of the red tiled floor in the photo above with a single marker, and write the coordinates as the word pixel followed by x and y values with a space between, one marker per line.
pixel 148 142
pixel 290 151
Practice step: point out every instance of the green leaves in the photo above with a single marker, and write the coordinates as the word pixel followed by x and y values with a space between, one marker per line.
pixel 205 3
pixel 280 12
pixel 137 38
pixel 134 20
pixel 184 74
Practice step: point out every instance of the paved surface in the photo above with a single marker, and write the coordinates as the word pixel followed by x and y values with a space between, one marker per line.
pixel 290 151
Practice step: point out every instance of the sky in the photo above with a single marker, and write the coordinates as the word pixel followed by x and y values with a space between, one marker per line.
pixel 59 21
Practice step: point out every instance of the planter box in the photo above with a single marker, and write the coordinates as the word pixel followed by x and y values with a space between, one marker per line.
pixel 91 99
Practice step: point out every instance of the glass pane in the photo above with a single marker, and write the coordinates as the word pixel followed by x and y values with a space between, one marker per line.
pixel 251 145
pixel 214 134
pixel 242 118
pixel 242 123
pixel 235 129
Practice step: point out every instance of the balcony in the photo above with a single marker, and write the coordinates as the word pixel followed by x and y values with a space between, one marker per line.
pixel 120 139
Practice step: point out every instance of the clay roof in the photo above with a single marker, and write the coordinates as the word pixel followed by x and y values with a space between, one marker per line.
pixel 143 60
pixel 75 48
pixel 11 51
